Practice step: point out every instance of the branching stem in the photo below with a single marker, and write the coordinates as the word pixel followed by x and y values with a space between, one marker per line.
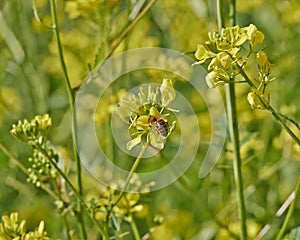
pixel 76 193
pixel 278 116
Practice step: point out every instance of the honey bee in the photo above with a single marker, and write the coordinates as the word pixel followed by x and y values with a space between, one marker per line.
pixel 161 126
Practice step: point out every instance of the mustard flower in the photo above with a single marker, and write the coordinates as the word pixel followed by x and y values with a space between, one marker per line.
pixel 254 36
pixel 256 100
pixel 35 133
pixel 147 114
pixel 11 228
pixel 217 77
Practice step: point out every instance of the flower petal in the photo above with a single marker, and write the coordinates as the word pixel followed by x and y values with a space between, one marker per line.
pixel 167 92
pixel 202 54
pixel 134 142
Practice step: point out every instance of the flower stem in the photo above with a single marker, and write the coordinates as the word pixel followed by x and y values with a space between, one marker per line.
pixel 283 123
pixel 18 163
pixel 278 116
pixel 76 193
pixel 71 102
pixel 132 171
pixel 290 212
pixel 237 165
pixel 134 228
pixel 233 127
pixel 129 28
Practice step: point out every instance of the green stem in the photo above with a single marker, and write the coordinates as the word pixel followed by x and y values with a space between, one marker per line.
pixel 18 163
pixel 71 102
pixel 67 227
pixel 283 123
pixel 237 165
pixel 220 15
pixel 60 52
pixel 134 228
pixel 132 171
pixel 233 129
pixel 129 28
pixel 290 212
pixel 76 193
pixel 279 117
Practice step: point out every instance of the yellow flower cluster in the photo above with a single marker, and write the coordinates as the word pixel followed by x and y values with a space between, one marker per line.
pixel 35 133
pixel 11 228
pixel 227 54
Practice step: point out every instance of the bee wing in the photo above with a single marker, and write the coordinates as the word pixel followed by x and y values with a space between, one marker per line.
pixel 156 139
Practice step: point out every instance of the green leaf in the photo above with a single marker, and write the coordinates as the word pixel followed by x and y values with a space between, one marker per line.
pixel 115 222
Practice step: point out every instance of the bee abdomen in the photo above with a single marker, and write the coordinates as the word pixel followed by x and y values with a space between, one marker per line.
pixel 161 127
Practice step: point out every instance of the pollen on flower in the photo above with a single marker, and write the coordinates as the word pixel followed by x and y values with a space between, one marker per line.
pixel 137 109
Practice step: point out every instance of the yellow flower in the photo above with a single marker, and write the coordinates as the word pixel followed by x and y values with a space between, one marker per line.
pixel 149 104
pixel 256 100
pixel 44 122
pixel 216 77
pixel 255 37
pixel 202 54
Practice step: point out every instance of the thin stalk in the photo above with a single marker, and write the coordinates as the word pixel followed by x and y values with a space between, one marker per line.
pixel 129 28
pixel 132 171
pixel 134 228
pixel 13 158
pixel 278 116
pixel 71 103
pixel 64 214
pixel 290 212
pixel 237 163
pixel 76 193
pixel 67 227
pixel 233 128
pixel 283 123
pixel 55 29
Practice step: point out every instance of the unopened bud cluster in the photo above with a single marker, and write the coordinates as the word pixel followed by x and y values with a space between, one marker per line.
pixel 35 133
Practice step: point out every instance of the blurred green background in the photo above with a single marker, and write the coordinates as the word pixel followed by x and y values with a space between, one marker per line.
pixel 31 83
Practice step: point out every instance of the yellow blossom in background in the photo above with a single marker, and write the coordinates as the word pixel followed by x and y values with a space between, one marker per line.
pixel 11 228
